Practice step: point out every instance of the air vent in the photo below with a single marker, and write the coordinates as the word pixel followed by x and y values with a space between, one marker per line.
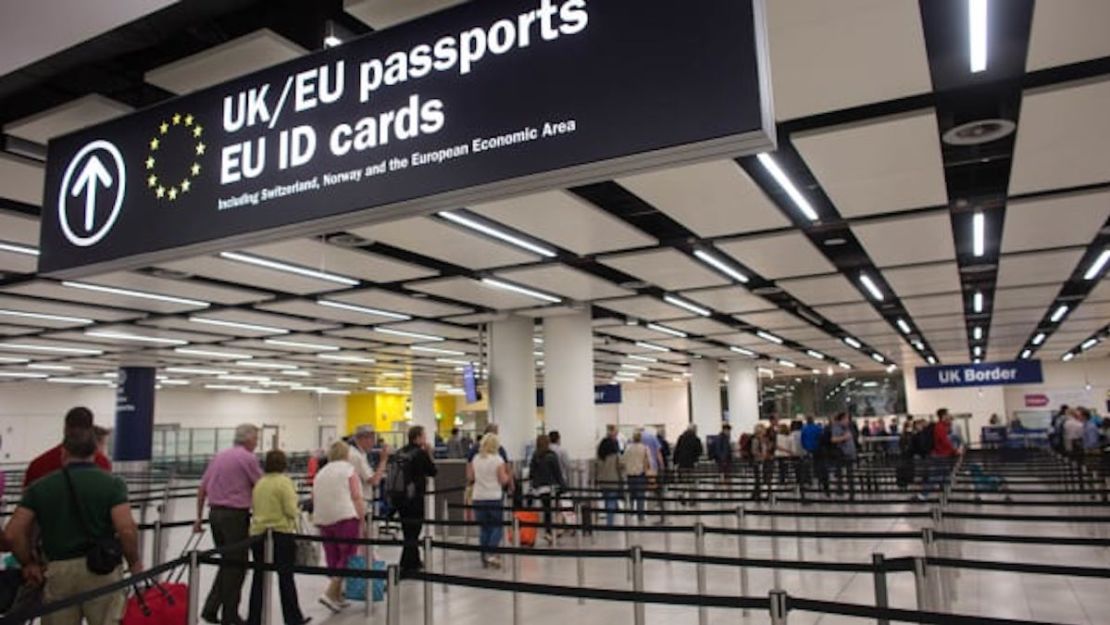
pixel 834 241
pixel 979 132
pixel 767 290
pixel 347 239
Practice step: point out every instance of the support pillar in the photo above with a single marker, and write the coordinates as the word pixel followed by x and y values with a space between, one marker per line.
pixel 423 404
pixel 743 395
pixel 705 396
pixel 134 431
pixel 569 382
pixel 512 383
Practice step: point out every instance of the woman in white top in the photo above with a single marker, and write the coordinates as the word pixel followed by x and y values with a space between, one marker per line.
pixel 636 464
pixel 338 509
pixel 489 477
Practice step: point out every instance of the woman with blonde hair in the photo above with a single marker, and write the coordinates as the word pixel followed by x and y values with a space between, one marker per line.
pixel 338 510
pixel 489 477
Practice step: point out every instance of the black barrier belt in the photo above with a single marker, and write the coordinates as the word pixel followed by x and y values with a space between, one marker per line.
pixel 1029 540
pixel 303 570
pixel 814 534
pixel 151 526
pixel 1021 567
pixel 377 542
pixel 844 515
pixel 896 614
pixel 1032 504
pixel 547 552
pixel 30 613
pixel 800 565
pixel 983 516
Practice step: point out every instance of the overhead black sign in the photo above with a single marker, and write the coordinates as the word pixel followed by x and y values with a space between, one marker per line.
pixel 485 100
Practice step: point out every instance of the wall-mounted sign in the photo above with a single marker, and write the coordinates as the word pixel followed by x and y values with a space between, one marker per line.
pixel 134 433
pixel 603 394
pixel 982 374
pixel 481 101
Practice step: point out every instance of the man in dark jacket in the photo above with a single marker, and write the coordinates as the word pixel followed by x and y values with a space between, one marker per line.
pixel 419 466
pixel 687 452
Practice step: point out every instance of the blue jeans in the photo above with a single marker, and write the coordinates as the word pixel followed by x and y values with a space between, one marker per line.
pixel 611 498
pixel 637 484
pixel 488 515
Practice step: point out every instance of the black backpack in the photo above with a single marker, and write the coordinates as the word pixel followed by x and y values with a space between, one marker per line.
pixel 923 440
pixel 400 485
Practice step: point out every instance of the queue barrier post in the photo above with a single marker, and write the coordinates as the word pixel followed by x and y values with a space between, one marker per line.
pixel 882 599
pixel 156 556
pixel 778 606
pixel 516 569
pixel 193 609
pixel 393 595
pixel 637 557
pixel 267 578
pixel 699 545
pixel 742 552
pixel 921 584
pixel 580 564
pixel 368 553
pixel 429 609
pixel 775 554
pixel 444 532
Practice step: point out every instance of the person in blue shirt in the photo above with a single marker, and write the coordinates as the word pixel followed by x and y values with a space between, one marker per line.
pixel 1092 438
pixel 811 436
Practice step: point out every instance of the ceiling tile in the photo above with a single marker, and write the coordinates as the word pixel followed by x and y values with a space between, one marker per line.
pixel 433 329
pixel 631 333
pixel 66 118
pixel 54 290
pixel 396 302
pixel 1058 221
pixel 565 220
pixel 772 320
pixel 21 180
pixel 473 291
pixel 11 262
pixel 193 289
pixel 242 273
pixel 667 268
pixel 778 256
pixel 933 305
pixel 907 240
pixel 878 166
pixel 1037 267
pixel 19 228
pixel 312 310
pixel 565 281
pixel 923 279
pixel 700 325
pixel 711 199
pixel 728 299
pixel 439 240
pixel 1025 297
pixel 1063 138
pixel 1068 32
pixel 381 14
pixel 346 262
pixel 27 304
pixel 830 289
pixel 218 64
pixel 848 313
pixel 644 307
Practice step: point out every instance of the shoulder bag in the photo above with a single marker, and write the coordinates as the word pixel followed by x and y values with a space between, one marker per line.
pixel 104 555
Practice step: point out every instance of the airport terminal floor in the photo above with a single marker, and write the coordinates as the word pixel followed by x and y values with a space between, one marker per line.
pixel 528 311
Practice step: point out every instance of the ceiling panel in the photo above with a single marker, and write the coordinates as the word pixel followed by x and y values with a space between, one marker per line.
pixel 1068 32
pixel 396 302
pixel 66 118
pixel 345 262
pixel 933 305
pixel 677 343
pixel 433 329
pixel 1025 297
pixel 939 322
pixel 54 290
pixel 924 279
pixel 11 262
pixel 867 328
pixel 1029 316
pixel 565 220
pixel 26 304
pixel 644 307
pixel 830 289
pixel 565 281
pixel 448 243
pixel 21 179
pixel 908 240
pixel 1092 310
pixel 765 255
pixel 478 293
pixel 803 335
pixel 666 268
pixel 848 313
pixel 844 69
pixel 729 299
pixel 700 325
pixel 381 14
pixel 265 319
pixel 1058 221
pixel 631 333
pixel 1064 137
pixel 772 320
pixel 711 199
pixel 10 330
pixel 232 271
pixel 18 228
pixel 192 289
pixel 218 64
pixel 312 310
pixel 882 166
pixel 1037 267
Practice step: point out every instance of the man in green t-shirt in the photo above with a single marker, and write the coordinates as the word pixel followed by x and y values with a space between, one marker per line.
pixel 102 504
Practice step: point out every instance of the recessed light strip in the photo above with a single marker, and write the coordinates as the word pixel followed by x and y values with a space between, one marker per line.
pixel 125 336
pixel 978 234
pixel 139 294
pixel 287 268
pixel 977 34
pixel 347 358
pixel 18 249
pixel 497 234
pixel 300 345
pixel 665 330
pixel 44 317
pixel 767 336
pixel 903 326
pixel 1097 266
pixel 1059 314
pixel 411 335
pixel 687 305
pixel 363 309
pixel 189 351
pixel 721 266
pixel 20 347
pixel 652 346
pixel 253 327
pixel 871 287
pixel 508 286
pixel 787 185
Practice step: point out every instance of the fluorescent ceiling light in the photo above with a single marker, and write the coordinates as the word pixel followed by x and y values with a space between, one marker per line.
pixel 815 354
pixel 49 367
pixel 259 391
pixel 903 326
pixel 330 391
pixel 224 387
pixel 189 351
pixel 437 350
pixel 377 312
pixel 125 336
pixel 977 302
pixel 1059 314
pixel 195 371
pixel 787 363
pixel 174 382
pixel 977 333
pixel 497 234
pixel 666 330
pixel 1026 354
pixel 931 360
pixel 19 347
pixel 139 294
pixel 1068 356
pixel 844 365
pixel 347 380
pixel 643 358
pixel 346 358
pixel 851 342
pixel 767 336
pixel 625 365
pixel 690 306
pixel 265 365
pixel 869 384
pixel 1097 266
pixel 1041 336
pixel 522 290
pixel 18 249
pixel 99 381
pixel 332 41
pixel 393 374
pixel 978 351
pixel 300 345
pixel 977 34
pixel 721 266
pixel 281 383
pixel 741 350
pixel 652 346
pixel 44 317
pixel 411 335
pixel 978 233
pixel 1088 344
pixel 871 287
pixel 919 346
pixel 253 327
pixel 22 375
pixel 384 389
pixel 287 268
pixel 878 358
pixel 244 378
pixel 787 185
pixel 8 359
pixel 452 361
pixel 295 372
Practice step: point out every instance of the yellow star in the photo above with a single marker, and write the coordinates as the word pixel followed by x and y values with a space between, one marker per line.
pixel 151 181
pixel 150 162
pixel 164 128
pixel 188 120
pixel 195 169
pixel 200 149
pixel 197 130
pixel 176 118
pixel 173 193
pixel 185 184
pixel 160 192
pixel 154 144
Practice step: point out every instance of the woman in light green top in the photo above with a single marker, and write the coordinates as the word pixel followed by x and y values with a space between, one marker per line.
pixel 274 507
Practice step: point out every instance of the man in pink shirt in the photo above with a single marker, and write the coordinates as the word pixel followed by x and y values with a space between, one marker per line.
pixel 227 486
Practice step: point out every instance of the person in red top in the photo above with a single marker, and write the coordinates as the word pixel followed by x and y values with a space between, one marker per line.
pixel 51 460
pixel 942 436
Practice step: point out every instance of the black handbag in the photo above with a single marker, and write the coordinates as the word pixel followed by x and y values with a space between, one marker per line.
pixel 104 555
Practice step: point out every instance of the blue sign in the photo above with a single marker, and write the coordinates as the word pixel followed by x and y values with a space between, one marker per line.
pixel 982 374
pixel 134 434
pixel 603 394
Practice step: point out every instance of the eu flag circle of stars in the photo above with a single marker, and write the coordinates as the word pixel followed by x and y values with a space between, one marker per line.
pixel 170 185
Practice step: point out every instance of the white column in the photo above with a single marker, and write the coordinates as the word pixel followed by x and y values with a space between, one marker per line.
pixel 423 403
pixel 743 395
pixel 512 383
pixel 705 395
pixel 568 381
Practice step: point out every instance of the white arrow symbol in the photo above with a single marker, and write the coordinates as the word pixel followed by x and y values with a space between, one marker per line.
pixel 93 172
